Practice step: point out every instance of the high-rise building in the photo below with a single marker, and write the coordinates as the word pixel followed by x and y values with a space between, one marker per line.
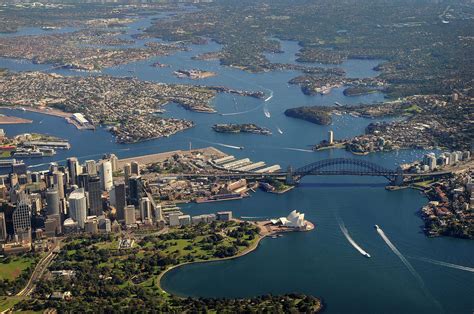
pixel 135 168
pixel 72 165
pixel 91 167
pixel 78 206
pixel 127 172
pixel 95 196
pixel 114 162
pixel 330 137
pixel 130 215
pixel 22 219
pixel 58 179
pixel 134 188
pixel 430 161
pixel 158 213
pixel 83 181
pixel 118 199
pixel 3 228
pixel 52 201
pixel 145 209
pixel 106 176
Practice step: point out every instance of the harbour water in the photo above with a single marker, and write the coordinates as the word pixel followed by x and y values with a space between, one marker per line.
pixel 322 262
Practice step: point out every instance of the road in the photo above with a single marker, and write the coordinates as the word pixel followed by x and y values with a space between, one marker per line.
pixel 38 272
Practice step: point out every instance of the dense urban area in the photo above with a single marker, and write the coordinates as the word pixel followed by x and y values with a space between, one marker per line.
pixel 84 234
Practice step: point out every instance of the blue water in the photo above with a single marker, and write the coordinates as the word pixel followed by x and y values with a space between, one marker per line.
pixel 320 262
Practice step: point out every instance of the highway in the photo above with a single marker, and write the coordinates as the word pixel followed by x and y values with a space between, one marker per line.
pixel 38 272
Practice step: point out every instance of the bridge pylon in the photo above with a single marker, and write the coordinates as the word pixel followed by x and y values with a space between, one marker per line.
pixel 290 179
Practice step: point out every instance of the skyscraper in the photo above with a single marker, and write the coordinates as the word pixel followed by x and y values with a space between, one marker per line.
pixel 83 181
pixel 118 199
pixel 3 227
pixel 127 172
pixel 72 165
pixel 95 196
pixel 114 162
pixel 145 209
pixel 134 188
pixel 58 179
pixel 330 137
pixel 78 206
pixel 130 215
pixel 52 201
pixel 22 219
pixel 91 167
pixel 106 178
pixel 135 168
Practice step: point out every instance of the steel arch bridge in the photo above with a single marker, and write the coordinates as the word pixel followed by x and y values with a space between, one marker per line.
pixel 346 166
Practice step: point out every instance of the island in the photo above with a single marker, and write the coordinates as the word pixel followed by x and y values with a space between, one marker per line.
pixel 241 128
pixel 194 74
pixel 311 114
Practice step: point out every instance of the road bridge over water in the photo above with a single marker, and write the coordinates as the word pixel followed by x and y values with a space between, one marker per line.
pixel 329 167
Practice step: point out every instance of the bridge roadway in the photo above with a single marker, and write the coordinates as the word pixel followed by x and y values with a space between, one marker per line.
pixel 254 175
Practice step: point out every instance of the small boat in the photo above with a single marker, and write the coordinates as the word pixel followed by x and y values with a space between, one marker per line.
pixel 280 131
pixel 241 147
pixel 274 236
pixel 377 227
pixel 367 255
pixel 267 113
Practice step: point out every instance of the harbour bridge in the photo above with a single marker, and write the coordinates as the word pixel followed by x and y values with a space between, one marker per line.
pixel 329 167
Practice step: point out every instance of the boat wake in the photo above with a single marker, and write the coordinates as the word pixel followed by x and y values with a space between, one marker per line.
pixel 440 263
pixel 351 241
pixel 242 112
pixel 408 265
pixel 400 255
pixel 267 113
pixel 214 143
pixel 298 149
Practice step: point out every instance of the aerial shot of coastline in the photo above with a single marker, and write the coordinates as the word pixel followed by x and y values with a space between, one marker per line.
pixel 134 176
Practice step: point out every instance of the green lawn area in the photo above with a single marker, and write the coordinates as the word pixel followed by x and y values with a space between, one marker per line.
pixel 413 109
pixel 8 302
pixel 423 184
pixel 15 267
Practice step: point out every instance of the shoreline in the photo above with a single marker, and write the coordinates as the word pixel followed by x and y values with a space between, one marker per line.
pixel 248 250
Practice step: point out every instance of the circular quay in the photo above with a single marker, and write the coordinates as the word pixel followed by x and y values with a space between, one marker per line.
pixel 223 156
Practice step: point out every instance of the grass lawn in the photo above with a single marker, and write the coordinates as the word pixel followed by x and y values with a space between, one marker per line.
pixel 8 302
pixel 14 268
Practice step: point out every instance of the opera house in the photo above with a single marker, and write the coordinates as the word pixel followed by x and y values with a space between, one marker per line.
pixel 294 220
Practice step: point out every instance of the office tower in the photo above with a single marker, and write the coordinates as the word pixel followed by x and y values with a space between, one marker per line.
pixel 72 165
pixel 91 167
pixel 130 215
pixel 78 206
pixel 22 219
pixel 134 188
pixel 3 228
pixel 145 209
pixel 52 201
pixel 95 196
pixel 58 179
pixel 127 172
pixel 158 213
pixel 13 179
pixel 106 178
pixel 135 168
pixel 83 181
pixel 114 162
pixel 36 204
pixel 118 199
pixel 331 137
